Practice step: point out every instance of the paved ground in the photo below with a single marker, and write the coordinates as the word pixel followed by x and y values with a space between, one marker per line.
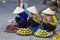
pixel 6 13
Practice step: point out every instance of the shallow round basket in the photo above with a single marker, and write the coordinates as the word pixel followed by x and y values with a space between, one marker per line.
pixel 24 34
pixel 42 36
pixel 10 31
pixel 19 33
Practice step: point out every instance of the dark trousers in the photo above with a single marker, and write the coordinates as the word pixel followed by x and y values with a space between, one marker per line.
pixel 22 24
pixel 48 27
pixel 31 22
pixel 33 25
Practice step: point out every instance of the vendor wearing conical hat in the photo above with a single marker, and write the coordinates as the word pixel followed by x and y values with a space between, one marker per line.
pixel 49 20
pixel 22 19
pixel 33 19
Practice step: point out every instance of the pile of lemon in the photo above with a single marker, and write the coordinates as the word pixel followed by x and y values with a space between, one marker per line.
pixel 24 31
pixel 41 33
pixel 57 37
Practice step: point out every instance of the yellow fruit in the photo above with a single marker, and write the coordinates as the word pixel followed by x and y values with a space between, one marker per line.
pixel 21 28
pixel 59 38
pixel 20 33
pixel 45 31
pixel 40 33
pixel 27 31
pixel 45 35
pixel 30 32
pixel 27 28
pixel 54 38
pixel 36 33
pixel 41 30
pixel 58 34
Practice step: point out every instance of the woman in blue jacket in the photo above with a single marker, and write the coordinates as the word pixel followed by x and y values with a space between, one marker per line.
pixel 22 19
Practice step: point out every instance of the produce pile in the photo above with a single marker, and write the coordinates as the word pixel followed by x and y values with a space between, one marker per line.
pixel 41 33
pixel 58 33
pixel 57 37
pixel 24 31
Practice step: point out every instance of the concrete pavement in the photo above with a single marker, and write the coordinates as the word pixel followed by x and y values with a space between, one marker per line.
pixel 6 11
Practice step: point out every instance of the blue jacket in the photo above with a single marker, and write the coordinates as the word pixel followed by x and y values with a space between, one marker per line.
pixel 22 16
